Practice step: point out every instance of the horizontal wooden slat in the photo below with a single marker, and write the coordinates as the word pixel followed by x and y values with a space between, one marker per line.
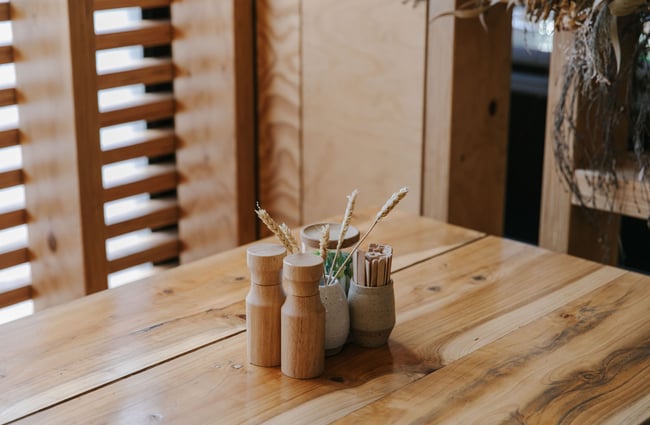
pixel 12 216
pixel 152 179
pixel 8 96
pixel 13 255
pixel 144 33
pixel 116 4
pixel 150 143
pixel 11 178
pixel 158 246
pixel 6 54
pixel 5 11
pixel 631 198
pixel 148 107
pixel 9 137
pixel 147 71
pixel 154 214
pixel 15 293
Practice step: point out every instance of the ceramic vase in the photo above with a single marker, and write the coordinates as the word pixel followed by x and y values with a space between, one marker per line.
pixel 372 313
pixel 337 317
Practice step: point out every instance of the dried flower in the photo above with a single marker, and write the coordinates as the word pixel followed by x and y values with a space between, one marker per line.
pixel 274 228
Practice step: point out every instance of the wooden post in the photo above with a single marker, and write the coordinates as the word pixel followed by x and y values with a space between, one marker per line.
pixel 57 101
pixel 213 88
pixel 466 121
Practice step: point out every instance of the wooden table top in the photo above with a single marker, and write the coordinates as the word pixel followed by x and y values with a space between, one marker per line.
pixel 488 331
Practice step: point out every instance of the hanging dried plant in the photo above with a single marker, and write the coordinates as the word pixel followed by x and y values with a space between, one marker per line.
pixel 608 74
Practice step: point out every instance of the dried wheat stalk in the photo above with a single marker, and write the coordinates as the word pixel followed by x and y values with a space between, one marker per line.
pixel 345 224
pixel 324 240
pixel 274 228
pixel 385 210
pixel 292 240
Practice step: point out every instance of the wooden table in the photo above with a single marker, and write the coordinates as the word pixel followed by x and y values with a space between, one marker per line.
pixel 488 331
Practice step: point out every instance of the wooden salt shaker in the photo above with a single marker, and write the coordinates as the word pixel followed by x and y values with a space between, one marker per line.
pixel 263 303
pixel 303 318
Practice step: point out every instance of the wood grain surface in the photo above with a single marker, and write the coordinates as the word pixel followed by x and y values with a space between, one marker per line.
pixel 466 118
pixel 213 121
pixel 59 133
pixel 91 342
pixel 494 331
pixel 585 363
pixel 363 97
pixel 279 85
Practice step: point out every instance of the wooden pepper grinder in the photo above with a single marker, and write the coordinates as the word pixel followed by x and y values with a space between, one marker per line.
pixel 303 317
pixel 263 303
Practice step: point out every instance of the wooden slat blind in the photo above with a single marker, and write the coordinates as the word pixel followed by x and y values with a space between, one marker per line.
pixel 155 178
pixel 14 288
pixel 72 191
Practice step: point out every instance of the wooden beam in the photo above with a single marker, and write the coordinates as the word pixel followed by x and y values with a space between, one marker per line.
pixel 149 143
pixel 149 107
pixel 467 110
pixel 5 11
pixel 146 71
pixel 9 137
pixel 153 214
pixel 116 4
pixel 11 178
pixel 155 247
pixel 151 179
pixel 13 215
pixel 279 86
pixel 6 54
pixel 13 255
pixel 630 198
pixel 15 295
pixel 143 33
pixel 214 124
pixel 61 152
pixel 7 96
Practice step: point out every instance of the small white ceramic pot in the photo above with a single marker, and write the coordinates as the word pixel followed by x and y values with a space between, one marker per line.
pixel 337 317
pixel 372 313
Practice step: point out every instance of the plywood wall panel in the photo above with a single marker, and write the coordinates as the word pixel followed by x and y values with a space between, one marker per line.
pixel 363 99
pixel 279 108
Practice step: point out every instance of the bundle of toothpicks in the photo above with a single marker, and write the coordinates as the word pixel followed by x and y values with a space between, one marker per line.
pixel 373 267
pixel 377 260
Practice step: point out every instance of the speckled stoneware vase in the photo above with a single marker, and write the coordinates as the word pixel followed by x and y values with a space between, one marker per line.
pixel 337 317
pixel 372 313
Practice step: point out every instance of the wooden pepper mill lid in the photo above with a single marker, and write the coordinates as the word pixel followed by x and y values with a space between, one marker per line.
pixel 300 272
pixel 264 260
pixel 310 235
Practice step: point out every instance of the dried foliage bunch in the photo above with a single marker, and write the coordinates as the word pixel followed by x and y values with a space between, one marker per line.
pixel 608 74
